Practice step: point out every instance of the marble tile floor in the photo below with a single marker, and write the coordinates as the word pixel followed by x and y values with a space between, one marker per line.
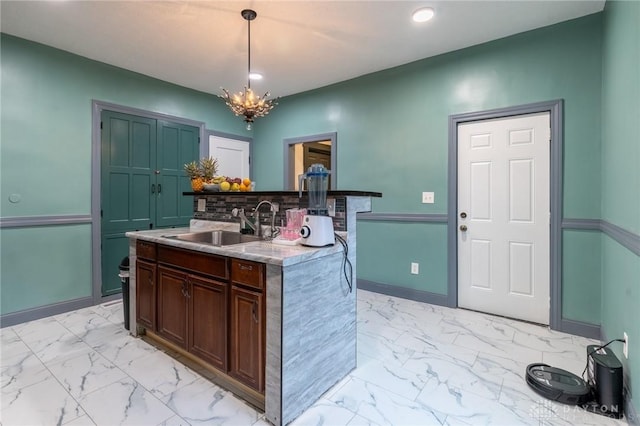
pixel 418 364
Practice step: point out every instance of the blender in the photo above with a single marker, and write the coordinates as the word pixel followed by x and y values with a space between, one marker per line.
pixel 317 225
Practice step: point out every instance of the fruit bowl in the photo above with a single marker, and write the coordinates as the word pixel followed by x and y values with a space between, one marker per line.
pixel 211 187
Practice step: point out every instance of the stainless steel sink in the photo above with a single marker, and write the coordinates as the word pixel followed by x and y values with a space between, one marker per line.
pixel 217 238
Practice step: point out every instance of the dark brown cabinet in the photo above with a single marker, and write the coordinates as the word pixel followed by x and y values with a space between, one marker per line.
pixel 210 306
pixel 146 285
pixel 146 294
pixel 172 305
pixel 208 321
pixel 247 325
pixel 247 337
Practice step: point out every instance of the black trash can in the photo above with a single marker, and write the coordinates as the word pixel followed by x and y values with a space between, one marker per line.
pixel 124 280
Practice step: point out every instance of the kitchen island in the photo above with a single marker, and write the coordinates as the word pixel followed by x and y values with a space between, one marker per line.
pixel 309 310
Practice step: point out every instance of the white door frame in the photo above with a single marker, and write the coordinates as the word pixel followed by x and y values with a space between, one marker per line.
pixel 555 109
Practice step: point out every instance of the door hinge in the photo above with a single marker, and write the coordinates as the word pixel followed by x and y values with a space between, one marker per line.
pixel 101 125
pixel 101 213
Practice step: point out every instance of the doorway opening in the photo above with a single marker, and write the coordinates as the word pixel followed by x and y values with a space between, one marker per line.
pixel 302 152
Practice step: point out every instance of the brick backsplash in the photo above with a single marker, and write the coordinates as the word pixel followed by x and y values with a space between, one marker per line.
pixel 218 207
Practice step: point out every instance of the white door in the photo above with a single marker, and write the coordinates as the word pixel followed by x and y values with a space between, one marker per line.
pixel 232 155
pixel 504 216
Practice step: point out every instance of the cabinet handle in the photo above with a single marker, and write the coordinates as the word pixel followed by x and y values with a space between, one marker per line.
pixel 150 282
pixel 159 188
pixel 254 311
pixel 185 288
pixel 153 188
pixel 246 267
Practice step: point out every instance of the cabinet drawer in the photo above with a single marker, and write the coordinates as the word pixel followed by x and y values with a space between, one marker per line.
pixel 203 263
pixel 146 250
pixel 248 273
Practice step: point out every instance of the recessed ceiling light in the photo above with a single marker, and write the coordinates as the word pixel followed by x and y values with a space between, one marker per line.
pixel 255 76
pixel 423 15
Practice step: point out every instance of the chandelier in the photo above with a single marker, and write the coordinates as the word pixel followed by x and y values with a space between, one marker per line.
pixel 247 103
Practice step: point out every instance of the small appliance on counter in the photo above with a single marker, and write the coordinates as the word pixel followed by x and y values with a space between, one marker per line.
pixel 601 393
pixel 317 225
pixel 290 234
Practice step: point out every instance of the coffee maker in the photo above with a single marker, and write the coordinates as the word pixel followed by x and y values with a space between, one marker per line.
pixel 317 225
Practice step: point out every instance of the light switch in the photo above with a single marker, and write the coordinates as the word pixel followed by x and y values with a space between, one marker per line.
pixel 202 204
pixel 428 197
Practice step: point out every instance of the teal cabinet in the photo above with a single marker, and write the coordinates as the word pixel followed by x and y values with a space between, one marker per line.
pixel 142 181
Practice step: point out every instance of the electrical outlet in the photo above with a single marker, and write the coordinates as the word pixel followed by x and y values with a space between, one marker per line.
pixel 625 348
pixel 202 204
pixel 415 268
pixel 428 198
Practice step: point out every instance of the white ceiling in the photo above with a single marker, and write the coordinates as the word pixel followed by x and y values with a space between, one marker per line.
pixel 297 45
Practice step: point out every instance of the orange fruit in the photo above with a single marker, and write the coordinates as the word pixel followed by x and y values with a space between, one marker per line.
pixel 243 187
pixel 247 182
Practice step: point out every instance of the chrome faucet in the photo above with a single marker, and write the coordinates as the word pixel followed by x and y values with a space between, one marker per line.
pixel 255 224
pixel 273 208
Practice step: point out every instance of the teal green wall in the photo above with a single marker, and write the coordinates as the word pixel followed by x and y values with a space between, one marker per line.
pixel 581 271
pixel 46 122
pixel 45 264
pixel 410 242
pixel 621 181
pixel 392 131
pixel 46 97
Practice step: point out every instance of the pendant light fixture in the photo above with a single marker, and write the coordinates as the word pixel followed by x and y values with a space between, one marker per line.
pixel 247 103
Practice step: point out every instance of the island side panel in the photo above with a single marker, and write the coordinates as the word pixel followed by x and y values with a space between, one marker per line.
pixel 273 363
pixel 133 324
pixel 318 332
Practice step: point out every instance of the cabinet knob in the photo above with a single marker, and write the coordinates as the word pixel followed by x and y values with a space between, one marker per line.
pixel 463 228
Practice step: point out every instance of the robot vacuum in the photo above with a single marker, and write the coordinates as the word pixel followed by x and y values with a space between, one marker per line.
pixel 558 385
pixel 600 394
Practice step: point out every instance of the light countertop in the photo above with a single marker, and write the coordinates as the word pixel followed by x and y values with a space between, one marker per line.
pixel 259 251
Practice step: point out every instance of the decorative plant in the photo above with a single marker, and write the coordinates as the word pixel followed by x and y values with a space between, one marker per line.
pixel 209 167
pixel 195 174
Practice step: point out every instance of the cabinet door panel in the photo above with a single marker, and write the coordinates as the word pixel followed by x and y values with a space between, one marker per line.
pixel 172 305
pixel 247 337
pixel 178 144
pixel 146 294
pixel 208 321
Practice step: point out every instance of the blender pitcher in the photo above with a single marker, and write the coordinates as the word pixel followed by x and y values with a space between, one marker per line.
pixel 317 225
pixel 317 178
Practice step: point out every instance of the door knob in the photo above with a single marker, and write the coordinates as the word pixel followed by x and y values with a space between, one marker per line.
pixel 463 228
pixel 463 215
